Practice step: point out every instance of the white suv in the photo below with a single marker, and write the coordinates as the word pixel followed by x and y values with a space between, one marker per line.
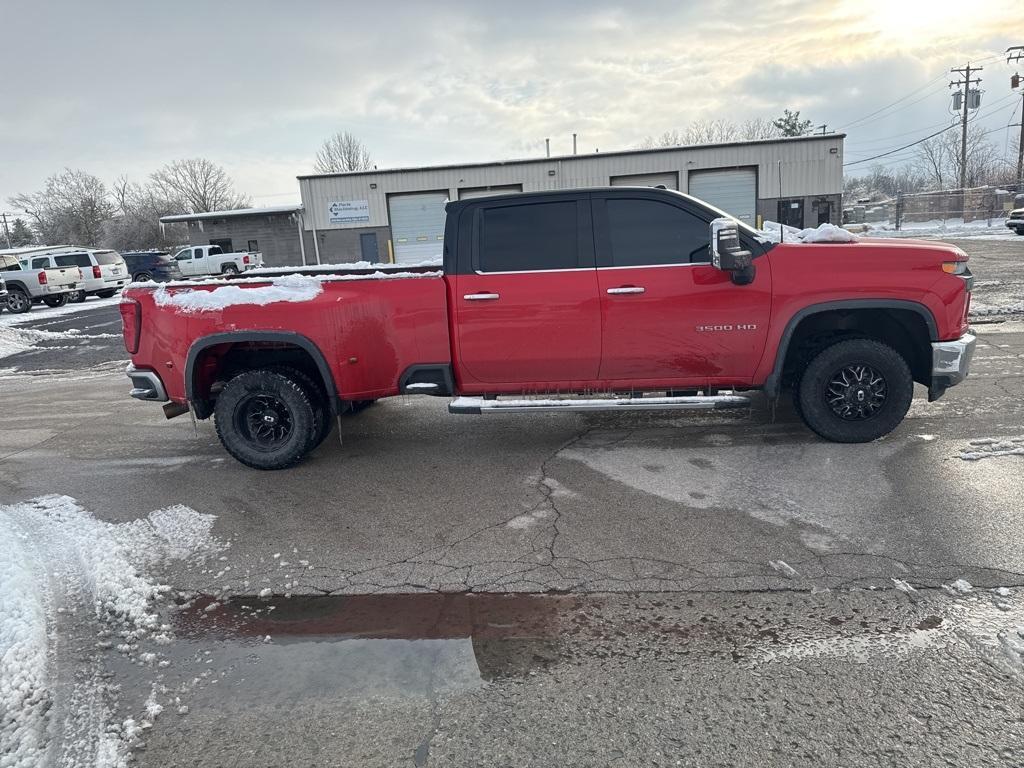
pixel 103 271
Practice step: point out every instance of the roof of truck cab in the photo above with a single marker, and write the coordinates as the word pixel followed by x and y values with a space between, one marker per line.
pixel 572 191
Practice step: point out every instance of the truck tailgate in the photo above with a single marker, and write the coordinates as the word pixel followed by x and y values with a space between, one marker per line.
pixel 63 276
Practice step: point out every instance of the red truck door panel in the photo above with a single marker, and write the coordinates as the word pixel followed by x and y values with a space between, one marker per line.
pixel 667 314
pixel 527 307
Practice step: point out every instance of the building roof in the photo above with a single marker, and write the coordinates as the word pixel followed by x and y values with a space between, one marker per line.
pixel 238 212
pixel 560 158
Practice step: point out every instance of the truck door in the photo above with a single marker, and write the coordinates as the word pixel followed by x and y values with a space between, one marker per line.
pixel 526 305
pixel 186 262
pixel 668 316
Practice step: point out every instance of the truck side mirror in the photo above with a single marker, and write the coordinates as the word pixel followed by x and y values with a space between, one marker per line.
pixel 727 253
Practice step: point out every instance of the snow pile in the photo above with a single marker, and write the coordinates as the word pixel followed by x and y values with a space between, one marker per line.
pixel 992 447
pixel 24 693
pixel 57 560
pixel 288 288
pixel 781 566
pixel 984 310
pixel 823 233
pixel 959 587
pixel 15 339
pixel 949 228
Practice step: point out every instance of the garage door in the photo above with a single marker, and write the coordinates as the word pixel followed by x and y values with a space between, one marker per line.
pixel 417 226
pixel 505 189
pixel 667 180
pixel 733 190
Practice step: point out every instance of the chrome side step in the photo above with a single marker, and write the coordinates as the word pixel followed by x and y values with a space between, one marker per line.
pixel 479 405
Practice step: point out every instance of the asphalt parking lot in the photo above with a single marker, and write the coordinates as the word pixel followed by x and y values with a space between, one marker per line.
pixel 564 589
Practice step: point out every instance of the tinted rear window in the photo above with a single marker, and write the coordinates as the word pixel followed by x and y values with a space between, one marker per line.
pixel 106 257
pixel 73 260
pixel 529 237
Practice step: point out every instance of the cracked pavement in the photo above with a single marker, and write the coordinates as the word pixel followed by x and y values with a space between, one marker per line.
pixel 683 510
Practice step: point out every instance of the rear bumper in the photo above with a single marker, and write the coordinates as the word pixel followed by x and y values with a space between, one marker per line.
pixel 146 385
pixel 951 362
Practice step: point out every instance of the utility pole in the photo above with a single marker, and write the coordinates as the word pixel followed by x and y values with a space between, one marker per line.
pixel 1016 53
pixel 967 103
pixel 7 232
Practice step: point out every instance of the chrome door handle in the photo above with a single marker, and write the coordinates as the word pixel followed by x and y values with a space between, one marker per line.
pixel 481 296
pixel 626 289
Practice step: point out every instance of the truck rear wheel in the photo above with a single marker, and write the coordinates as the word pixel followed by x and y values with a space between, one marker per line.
pixel 855 391
pixel 229 269
pixel 316 396
pixel 56 301
pixel 265 419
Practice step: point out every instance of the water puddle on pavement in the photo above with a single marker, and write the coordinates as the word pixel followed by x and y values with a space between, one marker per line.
pixel 412 644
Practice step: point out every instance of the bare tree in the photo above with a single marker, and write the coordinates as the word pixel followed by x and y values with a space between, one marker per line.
pixel 341 153
pixel 939 158
pixel 198 186
pixel 717 131
pixel 932 159
pixel 758 128
pixel 71 208
pixel 136 221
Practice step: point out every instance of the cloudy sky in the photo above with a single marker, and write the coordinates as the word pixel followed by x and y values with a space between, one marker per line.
pixel 123 87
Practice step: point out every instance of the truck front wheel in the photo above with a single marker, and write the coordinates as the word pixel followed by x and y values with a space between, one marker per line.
pixel 18 301
pixel 265 419
pixel 855 391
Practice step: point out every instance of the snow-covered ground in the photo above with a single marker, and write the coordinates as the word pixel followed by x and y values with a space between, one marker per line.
pixel 72 589
pixel 15 338
pixel 938 229
pixel 40 311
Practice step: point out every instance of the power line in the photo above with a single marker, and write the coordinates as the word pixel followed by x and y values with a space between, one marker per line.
pixel 898 149
pixel 902 98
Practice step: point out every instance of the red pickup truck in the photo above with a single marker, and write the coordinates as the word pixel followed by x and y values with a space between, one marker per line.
pixel 623 298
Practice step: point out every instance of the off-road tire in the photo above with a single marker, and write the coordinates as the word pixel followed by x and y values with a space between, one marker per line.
pixel 76 297
pixel 18 302
pixel 316 396
pixel 106 294
pixel 238 407
pixel 56 301
pixel 813 391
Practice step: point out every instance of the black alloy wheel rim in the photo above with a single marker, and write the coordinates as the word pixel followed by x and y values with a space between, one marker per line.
pixel 856 392
pixel 264 421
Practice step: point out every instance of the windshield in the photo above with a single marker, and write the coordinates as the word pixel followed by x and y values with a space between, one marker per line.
pixel 9 263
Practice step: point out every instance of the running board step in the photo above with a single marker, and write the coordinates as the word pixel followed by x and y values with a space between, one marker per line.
pixel 478 405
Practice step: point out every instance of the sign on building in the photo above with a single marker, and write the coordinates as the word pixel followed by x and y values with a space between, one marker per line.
pixel 349 212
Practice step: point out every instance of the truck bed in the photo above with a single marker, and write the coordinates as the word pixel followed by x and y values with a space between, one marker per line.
pixel 372 323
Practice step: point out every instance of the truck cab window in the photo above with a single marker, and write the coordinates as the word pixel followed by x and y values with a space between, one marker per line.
pixel 525 238
pixel 41 263
pixel 183 254
pixel 649 232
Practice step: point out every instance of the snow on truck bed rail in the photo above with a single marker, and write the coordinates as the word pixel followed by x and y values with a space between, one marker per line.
pixel 258 291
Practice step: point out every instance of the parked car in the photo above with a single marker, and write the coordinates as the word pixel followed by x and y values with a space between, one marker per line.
pixel 620 290
pixel 199 260
pixel 104 272
pixel 1015 220
pixel 32 281
pixel 157 266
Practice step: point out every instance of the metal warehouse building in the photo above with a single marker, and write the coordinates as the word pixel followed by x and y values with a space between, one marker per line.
pixel 398 215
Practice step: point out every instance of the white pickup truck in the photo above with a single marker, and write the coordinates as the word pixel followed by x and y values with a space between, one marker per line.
pixel 211 260
pixel 29 282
